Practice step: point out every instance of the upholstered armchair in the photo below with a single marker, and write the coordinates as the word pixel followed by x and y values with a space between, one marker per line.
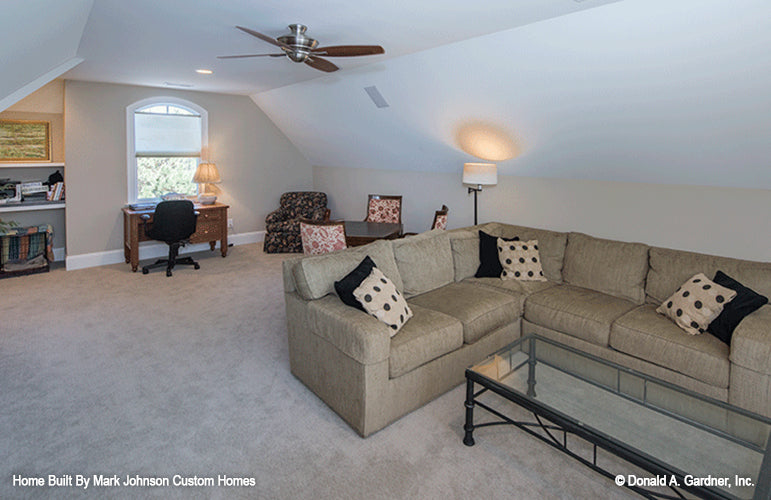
pixel 282 226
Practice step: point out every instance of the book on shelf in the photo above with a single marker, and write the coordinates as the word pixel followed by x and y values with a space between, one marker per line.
pixel 56 192
pixel 33 187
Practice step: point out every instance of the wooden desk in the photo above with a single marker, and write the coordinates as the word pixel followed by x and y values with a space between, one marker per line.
pixel 361 232
pixel 212 225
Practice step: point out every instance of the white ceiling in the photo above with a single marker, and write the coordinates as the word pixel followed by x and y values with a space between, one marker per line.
pixel 650 91
pixel 151 42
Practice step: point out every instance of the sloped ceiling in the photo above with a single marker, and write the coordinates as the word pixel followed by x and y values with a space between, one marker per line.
pixel 640 90
pixel 38 41
pixel 162 42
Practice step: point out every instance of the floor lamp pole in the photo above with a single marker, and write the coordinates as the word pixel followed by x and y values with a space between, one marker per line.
pixel 475 191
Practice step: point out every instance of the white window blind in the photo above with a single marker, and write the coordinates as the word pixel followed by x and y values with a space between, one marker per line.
pixel 167 135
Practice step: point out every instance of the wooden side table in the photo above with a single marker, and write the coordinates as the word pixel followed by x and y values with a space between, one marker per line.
pixel 211 226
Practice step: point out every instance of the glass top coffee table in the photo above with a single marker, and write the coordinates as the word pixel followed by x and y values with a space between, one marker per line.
pixel 685 443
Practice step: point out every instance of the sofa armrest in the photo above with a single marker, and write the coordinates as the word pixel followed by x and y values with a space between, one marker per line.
pixel 751 342
pixel 355 333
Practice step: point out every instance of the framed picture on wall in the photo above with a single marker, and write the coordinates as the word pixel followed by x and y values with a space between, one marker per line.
pixel 25 141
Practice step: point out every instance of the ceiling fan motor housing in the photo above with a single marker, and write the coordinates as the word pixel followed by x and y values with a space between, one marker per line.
pixel 298 46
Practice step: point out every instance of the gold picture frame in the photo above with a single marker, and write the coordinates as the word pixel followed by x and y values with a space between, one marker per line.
pixel 25 141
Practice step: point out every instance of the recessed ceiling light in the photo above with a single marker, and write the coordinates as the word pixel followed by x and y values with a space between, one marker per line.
pixel 204 71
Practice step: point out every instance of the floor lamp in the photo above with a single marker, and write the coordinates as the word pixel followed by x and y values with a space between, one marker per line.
pixel 478 175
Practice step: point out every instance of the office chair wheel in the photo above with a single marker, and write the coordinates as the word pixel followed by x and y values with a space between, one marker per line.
pixel 145 270
pixel 168 272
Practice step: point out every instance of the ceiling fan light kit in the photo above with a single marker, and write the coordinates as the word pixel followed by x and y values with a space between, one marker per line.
pixel 301 48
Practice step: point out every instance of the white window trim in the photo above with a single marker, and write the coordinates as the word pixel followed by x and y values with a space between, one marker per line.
pixel 130 135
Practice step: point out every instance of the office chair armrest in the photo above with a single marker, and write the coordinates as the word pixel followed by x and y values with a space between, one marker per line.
pixel 145 218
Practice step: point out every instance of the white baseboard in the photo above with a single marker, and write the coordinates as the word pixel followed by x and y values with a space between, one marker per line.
pixel 150 250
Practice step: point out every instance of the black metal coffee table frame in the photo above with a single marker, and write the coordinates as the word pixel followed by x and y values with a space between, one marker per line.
pixel 559 422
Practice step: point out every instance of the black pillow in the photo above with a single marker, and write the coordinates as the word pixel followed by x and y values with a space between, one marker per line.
pixel 351 282
pixel 745 303
pixel 489 264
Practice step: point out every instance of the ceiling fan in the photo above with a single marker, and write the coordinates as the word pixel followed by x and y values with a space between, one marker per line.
pixel 299 47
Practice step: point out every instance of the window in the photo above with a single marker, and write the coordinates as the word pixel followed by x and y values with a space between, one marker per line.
pixel 165 139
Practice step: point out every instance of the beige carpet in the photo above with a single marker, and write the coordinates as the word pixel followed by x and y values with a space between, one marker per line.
pixel 105 371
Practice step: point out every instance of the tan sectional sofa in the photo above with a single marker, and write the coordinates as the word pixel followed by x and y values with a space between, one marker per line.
pixel 600 296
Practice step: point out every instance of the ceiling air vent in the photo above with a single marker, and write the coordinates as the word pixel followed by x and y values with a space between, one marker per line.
pixel 376 97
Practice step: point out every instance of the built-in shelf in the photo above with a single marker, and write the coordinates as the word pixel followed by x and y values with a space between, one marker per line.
pixel 29 206
pixel 32 164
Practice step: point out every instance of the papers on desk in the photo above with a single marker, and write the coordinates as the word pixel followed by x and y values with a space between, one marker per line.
pixel 142 206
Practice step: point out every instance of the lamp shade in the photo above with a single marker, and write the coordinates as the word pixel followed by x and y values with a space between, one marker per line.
pixel 206 173
pixel 481 174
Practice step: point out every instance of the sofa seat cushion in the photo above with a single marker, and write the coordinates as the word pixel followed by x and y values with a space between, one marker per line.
pixel 427 336
pixel 580 312
pixel 751 342
pixel 645 334
pixel 480 309
pixel 513 286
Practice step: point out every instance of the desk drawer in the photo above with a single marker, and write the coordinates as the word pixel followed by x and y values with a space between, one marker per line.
pixel 206 231
pixel 205 216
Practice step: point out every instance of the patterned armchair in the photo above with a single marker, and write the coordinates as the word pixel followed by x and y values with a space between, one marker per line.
pixel 282 226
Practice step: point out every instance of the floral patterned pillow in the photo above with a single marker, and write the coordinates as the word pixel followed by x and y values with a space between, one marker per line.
pixel 441 222
pixel 322 239
pixel 384 211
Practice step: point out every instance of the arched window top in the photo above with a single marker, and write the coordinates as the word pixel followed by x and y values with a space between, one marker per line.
pixel 167 105
pixel 166 109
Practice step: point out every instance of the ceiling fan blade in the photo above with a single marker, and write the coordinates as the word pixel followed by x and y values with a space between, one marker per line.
pixel 349 50
pixel 251 55
pixel 321 64
pixel 264 38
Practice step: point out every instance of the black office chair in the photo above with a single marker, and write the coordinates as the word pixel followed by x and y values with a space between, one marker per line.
pixel 173 222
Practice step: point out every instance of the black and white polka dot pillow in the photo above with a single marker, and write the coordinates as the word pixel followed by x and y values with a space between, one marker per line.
pixel 520 260
pixel 696 303
pixel 380 298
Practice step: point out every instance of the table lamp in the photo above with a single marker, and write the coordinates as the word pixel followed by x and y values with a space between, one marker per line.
pixel 478 175
pixel 205 174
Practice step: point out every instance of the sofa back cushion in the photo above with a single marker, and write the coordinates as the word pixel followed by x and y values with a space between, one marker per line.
pixel 465 252
pixel 670 268
pixel 315 276
pixel 614 267
pixel 551 245
pixel 424 261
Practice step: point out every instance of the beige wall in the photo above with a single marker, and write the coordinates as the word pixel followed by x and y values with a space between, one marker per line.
pixel 256 161
pixel 725 221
